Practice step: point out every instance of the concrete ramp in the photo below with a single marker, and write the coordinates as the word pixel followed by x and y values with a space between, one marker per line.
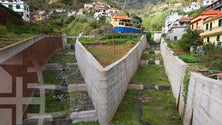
pixel 107 86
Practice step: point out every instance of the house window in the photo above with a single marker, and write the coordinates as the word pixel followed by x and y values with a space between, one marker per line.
pixel 192 26
pixel 211 26
pixel 218 38
pixel 207 26
pixel 219 22
pixel 197 25
pixel 10 6
pixel 175 37
pixel 208 39
pixel 17 6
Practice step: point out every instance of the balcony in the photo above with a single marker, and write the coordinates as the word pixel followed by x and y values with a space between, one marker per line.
pixel 212 31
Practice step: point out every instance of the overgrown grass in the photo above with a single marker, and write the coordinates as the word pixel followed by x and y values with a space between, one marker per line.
pixel 55 106
pixel 147 57
pixel 189 58
pixel 187 79
pixel 51 77
pixel 161 108
pixel 150 75
pixel 106 55
pixel 11 38
pixel 61 57
pixel 107 38
pixel 127 110
pixel 104 51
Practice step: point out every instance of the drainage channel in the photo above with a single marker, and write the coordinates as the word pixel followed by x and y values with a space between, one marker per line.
pixel 140 114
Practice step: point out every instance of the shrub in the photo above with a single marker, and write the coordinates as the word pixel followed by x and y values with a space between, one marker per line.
pixel 212 56
pixel 191 38
pixel 189 58
pixel 148 36
pixel 3 30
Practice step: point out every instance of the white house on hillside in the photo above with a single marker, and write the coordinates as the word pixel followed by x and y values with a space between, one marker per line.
pixel 192 7
pixel 19 7
pixel 207 2
pixel 178 28
pixel 169 21
pixel 112 11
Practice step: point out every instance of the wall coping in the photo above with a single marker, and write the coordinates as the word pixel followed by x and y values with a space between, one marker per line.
pixel 202 77
pixel 11 50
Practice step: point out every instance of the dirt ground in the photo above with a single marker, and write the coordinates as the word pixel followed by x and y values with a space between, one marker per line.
pixel 107 54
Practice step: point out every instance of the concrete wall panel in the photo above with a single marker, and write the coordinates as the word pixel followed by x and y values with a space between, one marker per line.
pixel 175 69
pixel 204 102
pixel 107 86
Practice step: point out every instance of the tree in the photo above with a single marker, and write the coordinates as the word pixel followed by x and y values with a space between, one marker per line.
pixel 191 38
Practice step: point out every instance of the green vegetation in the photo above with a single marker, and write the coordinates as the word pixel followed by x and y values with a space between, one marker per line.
pixel 196 12
pixel 187 79
pixel 146 57
pixel 62 57
pixel 191 38
pixel 159 110
pixel 189 58
pixel 51 77
pixel 9 39
pixel 212 56
pixel 104 51
pixel 148 36
pixel 55 106
pixel 67 4
pixel 66 104
pixel 91 26
pixel 150 20
pixel 3 30
pixel 149 76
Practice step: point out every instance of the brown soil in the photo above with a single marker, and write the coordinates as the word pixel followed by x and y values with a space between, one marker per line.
pixel 179 51
pixel 105 53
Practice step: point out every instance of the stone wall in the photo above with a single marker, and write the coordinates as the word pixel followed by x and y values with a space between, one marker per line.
pixel 107 86
pixel 204 102
pixel 175 69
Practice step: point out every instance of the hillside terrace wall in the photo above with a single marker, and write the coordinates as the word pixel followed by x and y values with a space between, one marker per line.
pixel 204 101
pixel 11 50
pixel 175 69
pixel 107 86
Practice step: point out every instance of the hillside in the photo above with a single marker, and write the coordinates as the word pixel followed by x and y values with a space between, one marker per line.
pixel 49 4
pixel 67 4
pixel 140 4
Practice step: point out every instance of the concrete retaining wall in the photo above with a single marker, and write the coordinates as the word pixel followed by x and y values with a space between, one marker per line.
pixel 204 102
pixel 12 50
pixel 175 69
pixel 107 86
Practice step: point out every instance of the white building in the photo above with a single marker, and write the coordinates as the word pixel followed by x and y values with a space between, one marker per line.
pixel 207 2
pixel 169 21
pixel 19 7
pixel 88 5
pixel 100 14
pixel 112 11
pixel 192 7
pixel 178 28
